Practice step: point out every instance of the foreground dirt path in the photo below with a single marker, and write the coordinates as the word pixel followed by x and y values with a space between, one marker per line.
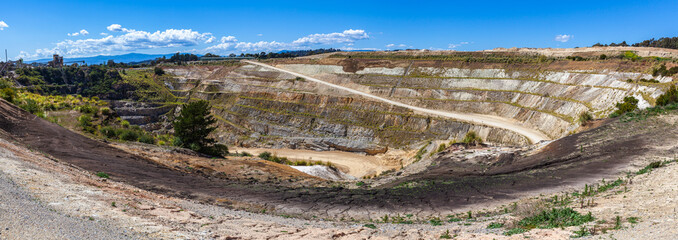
pixel 533 135
pixel 353 164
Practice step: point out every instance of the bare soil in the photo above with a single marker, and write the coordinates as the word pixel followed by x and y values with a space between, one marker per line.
pixel 354 164
pixel 442 189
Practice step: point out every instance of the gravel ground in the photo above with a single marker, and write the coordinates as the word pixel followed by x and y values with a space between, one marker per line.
pixel 24 217
pixel 41 198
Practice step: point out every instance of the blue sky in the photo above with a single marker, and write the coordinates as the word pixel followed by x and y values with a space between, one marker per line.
pixel 36 29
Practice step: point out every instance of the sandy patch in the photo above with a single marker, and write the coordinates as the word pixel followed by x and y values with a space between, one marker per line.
pixel 354 164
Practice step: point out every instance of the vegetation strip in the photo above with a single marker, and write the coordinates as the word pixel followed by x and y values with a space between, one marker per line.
pixel 558 115
pixel 587 104
pixel 506 79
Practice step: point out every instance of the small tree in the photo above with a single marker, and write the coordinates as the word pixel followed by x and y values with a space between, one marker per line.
pixel 193 127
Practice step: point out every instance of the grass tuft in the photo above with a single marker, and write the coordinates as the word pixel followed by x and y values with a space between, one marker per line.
pixel 103 175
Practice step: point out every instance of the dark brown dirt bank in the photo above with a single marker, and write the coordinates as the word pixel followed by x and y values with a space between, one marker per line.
pixel 443 188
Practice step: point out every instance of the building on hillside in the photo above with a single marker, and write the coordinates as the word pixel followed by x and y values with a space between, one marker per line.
pixel 57 61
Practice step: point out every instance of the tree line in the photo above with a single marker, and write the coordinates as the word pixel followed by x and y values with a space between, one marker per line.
pixel 665 42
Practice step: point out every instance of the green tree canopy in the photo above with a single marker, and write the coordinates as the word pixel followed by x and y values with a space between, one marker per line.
pixel 629 104
pixel 193 126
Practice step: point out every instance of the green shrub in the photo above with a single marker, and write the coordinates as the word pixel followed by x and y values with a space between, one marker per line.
pixel 472 138
pixel 441 148
pixel 8 94
pixel 584 118
pixel 105 111
pixel 6 83
pixel 582 232
pixel 369 225
pixel 103 175
pixel 555 218
pixel 495 225
pixel 670 96
pixel 245 154
pixel 662 71
pixel 514 231
pixel 435 221
pixel 177 142
pixel 145 138
pixel 629 104
pixel 301 163
pixel 124 124
pixel 649 167
pixel 158 71
pixel 631 56
pixel 446 235
pixel 575 58
pixel 633 220
pixel 31 106
pixel 108 132
pixel 128 135
pixel 421 151
pixel 265 155
pixel 648 80
pixel 89 109
pixel 85 121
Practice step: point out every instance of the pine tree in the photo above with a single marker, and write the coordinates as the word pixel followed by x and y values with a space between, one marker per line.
pixel 193 126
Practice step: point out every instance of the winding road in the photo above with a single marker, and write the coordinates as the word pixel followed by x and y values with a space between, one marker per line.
pixel 533 135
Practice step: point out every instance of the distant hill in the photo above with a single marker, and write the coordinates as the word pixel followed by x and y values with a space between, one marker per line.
pixel 124 58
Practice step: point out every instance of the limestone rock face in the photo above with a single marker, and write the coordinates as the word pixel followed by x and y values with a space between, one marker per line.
pixel 259 107
pixel 139 113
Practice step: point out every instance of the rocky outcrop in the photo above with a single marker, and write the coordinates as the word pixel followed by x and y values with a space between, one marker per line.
pixel 259 107
pixel 139 113
pixel 549 101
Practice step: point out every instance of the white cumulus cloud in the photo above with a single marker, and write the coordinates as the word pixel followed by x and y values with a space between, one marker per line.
pixel 563 38
pixel 81 32
pixel 3 25
pixel 347 36
pixel 130 41
pixel 231 44
pixel 117 28
pixel 228 39
pixel 120 39
pixel 456 45
pixel 393 45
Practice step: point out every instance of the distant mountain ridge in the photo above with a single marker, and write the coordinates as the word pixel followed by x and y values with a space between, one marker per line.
pixel 124 58
pixel 142 58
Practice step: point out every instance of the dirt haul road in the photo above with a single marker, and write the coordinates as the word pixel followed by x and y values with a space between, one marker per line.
pixel 533 135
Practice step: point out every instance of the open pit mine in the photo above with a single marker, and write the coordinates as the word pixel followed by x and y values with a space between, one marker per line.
pixel 408 144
